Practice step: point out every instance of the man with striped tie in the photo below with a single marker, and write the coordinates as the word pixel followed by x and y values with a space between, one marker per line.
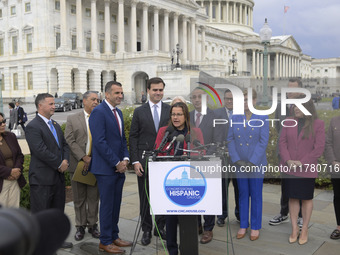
pixel 85 196
pixel 49 158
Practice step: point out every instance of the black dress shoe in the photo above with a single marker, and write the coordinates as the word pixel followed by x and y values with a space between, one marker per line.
pixel 67 245
pixel 161 232
pixel 146 238
pixel 80 233
pixel 220 222
pixel 94 231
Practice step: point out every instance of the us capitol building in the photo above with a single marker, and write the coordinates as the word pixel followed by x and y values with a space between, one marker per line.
pixel 78 45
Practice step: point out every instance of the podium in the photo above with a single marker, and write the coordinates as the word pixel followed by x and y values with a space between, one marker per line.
pixel 186 188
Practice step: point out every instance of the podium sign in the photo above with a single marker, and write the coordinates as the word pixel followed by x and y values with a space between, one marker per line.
pixel 185 187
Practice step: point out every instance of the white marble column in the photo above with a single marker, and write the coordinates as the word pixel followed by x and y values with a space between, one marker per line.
pixel 261 64
pixel 166 31
pixel 281 66
pixel 245 14
pixel 193 39
pixel 107 28
pixel 133 27
pixel 228 13
pixel 234 13
pixel 120 25
pixel 63 26
pixel 197 53
pixel 175 30
pixel 258 64
pixel 277 65
pixel 145 36
pixel 156 28
pixel 218 13
pixel 210 11
pixel 80 37
pixel 269 73
pixel 184 39
pixel 251 17
pixel 94 35
pixel 240 13
pixel 202 43
pixel 253 64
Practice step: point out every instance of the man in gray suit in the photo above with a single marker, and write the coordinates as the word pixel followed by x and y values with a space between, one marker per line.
pixel 85 197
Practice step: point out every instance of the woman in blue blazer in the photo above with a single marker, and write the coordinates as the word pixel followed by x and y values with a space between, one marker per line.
pixel 248 138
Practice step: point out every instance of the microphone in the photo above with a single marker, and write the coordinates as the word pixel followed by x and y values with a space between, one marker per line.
pixel 197 143
pixel 179 140
pixel 171 143
pixel 187 140
pixel 169 130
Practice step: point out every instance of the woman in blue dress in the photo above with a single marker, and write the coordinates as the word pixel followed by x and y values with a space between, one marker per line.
pixel 248 138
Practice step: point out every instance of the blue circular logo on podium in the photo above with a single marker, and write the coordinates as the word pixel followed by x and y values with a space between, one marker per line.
pixel 183 190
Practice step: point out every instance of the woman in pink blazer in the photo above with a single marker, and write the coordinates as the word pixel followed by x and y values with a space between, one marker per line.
pixel 300 147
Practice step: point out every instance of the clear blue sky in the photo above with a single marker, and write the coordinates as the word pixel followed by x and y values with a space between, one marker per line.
pixel 315 24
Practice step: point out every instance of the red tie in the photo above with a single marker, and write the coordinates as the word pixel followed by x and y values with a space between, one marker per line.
pixel 115 113
pixel 198 117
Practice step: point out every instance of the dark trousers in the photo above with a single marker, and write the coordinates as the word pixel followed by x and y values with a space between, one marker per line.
pixel 44 197
pixel 22 124
pixel 209 222
pixel 336 200
pixel 171 234
pixel 225 185
pixel 285 199
pixel 144 207
pixel 110 191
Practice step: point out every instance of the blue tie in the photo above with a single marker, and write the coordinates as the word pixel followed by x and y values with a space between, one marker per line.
pixel 155 117
pixel 230 113
pixel 54 132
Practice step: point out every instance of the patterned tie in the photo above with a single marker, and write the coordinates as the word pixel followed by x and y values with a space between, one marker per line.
pixel 155 117
pixel 90 137
pixel 54 132
pixel 115 113
pixel 198 119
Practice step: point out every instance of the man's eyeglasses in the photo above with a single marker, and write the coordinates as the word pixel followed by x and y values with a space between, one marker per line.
pixel 3 122
pixel 177 114
pixel 228 98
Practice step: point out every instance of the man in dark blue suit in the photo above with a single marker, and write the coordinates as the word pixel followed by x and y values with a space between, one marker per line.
pixel 225 113
pixel 109 162
pixel 49 158
pixel 205 123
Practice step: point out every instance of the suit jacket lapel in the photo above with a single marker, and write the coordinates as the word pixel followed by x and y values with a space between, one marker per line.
pixel 82 122
pixel 163 114
pixel 148 115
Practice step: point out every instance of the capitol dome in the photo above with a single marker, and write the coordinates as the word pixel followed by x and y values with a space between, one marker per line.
pixel 230 16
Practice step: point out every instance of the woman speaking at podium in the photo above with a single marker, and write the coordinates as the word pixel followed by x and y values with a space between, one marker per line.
pixel 179 125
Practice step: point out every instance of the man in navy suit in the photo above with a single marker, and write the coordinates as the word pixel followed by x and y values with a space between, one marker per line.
pixel 49 158
pixel 225 113
pixel 109 162
pixel 205 123
pixel 143 135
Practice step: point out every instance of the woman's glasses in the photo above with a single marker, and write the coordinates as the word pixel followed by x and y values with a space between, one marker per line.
pixel 177 114
pixel 3 122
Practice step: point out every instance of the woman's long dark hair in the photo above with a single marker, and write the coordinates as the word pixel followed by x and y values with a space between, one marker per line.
pixel 308 128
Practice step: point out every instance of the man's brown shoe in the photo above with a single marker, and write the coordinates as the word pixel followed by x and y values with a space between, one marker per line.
pixel 121 243
pixel 111 248
pixel 206 237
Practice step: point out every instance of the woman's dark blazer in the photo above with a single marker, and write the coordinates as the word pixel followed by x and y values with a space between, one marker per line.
pixel 18 160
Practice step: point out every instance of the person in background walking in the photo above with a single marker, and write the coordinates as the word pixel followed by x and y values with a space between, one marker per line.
pixel 13 116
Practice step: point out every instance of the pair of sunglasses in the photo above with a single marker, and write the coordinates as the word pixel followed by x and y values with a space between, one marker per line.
pixel 3 122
